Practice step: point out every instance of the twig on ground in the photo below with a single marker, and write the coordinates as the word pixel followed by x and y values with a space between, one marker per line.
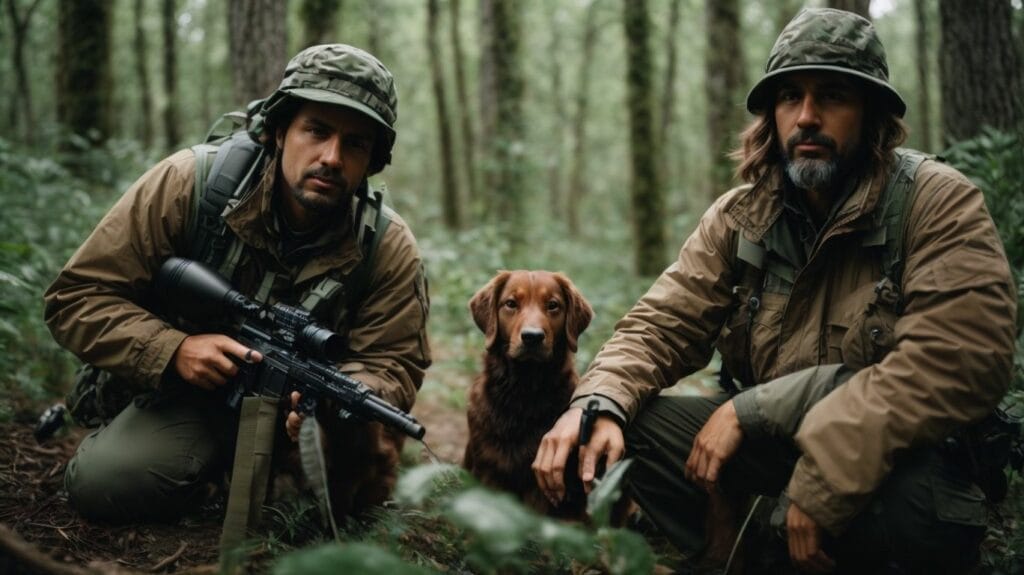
pixel 169 560
pixel 27 554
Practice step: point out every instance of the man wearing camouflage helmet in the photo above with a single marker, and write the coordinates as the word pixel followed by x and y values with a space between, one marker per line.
pixel 292 237
pixel 862 304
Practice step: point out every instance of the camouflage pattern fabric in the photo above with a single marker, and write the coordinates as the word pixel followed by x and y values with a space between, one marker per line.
pixel 828 40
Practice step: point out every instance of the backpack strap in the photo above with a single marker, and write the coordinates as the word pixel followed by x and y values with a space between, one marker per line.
pixel 890 224
pixel 223 171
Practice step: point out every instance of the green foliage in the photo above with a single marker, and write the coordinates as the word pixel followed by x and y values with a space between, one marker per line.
pixel 346 558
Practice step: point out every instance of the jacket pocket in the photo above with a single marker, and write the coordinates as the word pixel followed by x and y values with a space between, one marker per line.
pixel 957 499
pixel 749 337
pixel 868 339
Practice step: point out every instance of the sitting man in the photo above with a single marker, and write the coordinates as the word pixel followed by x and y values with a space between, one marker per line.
pixel 861 300
pixel 294 232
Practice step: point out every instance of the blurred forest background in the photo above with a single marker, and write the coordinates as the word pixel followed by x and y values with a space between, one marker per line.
pixel 585 136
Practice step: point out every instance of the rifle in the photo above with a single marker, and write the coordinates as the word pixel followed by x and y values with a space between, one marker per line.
pixel 297 353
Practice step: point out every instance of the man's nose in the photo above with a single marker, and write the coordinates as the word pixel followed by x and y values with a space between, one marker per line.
pixel 330 152
pixel 809 114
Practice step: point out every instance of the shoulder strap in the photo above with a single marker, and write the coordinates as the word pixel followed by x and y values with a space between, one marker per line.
pixel 223 171
pixel 374 218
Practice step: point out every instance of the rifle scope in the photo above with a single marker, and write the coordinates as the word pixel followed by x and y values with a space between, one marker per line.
pixel 209 294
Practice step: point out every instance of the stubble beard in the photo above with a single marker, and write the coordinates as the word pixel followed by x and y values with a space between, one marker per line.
pixel 813 173
pixel 322 203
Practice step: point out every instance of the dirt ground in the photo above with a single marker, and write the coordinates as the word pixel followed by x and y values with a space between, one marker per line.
pixel 40 533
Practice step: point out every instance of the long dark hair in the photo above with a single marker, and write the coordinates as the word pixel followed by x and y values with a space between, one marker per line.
pixel 760 153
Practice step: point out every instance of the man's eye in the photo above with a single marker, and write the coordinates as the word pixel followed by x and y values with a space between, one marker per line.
pixel 788 96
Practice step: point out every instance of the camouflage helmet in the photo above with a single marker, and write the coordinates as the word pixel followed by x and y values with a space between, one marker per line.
pixel 831 40
pixel 335 74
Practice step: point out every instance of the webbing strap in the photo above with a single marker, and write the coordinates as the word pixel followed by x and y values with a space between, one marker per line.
pixel 251 469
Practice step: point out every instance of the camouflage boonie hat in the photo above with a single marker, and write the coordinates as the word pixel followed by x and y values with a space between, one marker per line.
pixel 831 40
pixel 342 75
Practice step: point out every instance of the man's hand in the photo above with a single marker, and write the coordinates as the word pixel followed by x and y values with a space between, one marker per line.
pixel 293 423
pixel 804 537
pixel 203 360
pixel 716 442
pixel 556 445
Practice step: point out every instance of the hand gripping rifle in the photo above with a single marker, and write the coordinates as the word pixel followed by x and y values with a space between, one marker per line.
pixel 296 352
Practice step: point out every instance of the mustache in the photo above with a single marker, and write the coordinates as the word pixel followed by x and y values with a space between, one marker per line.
pixel 326 174
pixel 808 137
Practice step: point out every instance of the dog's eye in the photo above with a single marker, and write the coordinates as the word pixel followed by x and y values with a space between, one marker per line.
pixel 511 304
pixel 554 305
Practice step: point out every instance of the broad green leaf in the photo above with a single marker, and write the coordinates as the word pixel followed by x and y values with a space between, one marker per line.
pixel 332 559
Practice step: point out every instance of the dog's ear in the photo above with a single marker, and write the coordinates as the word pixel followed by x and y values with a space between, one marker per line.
pixel 484 307
pixel 578 312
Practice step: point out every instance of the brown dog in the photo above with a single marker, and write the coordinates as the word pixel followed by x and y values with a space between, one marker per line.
pixel 531 320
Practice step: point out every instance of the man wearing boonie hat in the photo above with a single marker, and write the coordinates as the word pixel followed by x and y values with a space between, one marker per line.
pixel 862 305
pixel 291 232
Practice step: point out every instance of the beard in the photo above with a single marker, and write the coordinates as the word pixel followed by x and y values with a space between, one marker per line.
pixel 813 173
pixel 319 202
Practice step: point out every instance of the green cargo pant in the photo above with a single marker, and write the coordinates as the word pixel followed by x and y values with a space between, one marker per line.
pixel 926 517
pixel 154 460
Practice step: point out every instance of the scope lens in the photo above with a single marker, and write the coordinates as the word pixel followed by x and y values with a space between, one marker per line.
pixel 322 343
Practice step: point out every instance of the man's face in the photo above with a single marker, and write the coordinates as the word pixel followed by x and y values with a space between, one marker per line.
pixel 325 153
pixel 819 117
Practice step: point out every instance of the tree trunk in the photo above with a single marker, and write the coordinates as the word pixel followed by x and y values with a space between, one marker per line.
pixel 923 112
pixel 258 46
pixel 508 159
pixel 980 67
pixel 172 131
pixel 582 110
pixel 648 209
pixel 320 20
pixel 449 180
pixel 488 96
pixel 556 158
pixel 861 7
pixel 725 82
pixel 23 92
pixel 142 75
pixel 83 67
pixel 465 111
pixel 668 92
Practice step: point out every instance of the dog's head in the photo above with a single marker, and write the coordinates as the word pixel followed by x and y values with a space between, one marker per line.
pixel 528 313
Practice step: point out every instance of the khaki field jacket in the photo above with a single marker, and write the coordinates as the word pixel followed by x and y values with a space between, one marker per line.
pixel 910 378
pixel 97 307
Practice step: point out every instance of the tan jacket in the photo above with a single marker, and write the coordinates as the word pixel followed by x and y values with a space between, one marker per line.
pixel 97 306
pixel 946 361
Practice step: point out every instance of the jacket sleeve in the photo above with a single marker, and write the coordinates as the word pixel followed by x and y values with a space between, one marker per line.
pixel 388 339
pixel 96 308
pixel 951 364
pixel 670 332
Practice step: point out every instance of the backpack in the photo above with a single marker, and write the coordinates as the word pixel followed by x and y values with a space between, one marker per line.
pixel 226 163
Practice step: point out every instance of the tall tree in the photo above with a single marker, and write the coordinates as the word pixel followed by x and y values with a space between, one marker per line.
pixel 258 46
pixel 488 88
pixel 22 92
pixel 980 68
pixel 861 7
pixel 581 114
pixel 556 156
pixel 449 178
pixel 83 67
pixel 668 91
pixel 142 75
pixel 465 111
pixel 648 213
pixel 923 113
pixel 319 20
pixel 172 130
pixel 725 80
pixel 509 125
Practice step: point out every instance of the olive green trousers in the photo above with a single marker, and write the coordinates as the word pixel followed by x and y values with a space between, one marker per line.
pixel 927 517
pixel 155 460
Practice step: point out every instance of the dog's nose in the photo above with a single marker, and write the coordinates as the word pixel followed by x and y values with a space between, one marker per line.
pixel 532 335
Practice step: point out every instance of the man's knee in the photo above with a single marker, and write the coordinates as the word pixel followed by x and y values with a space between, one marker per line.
pixel 129 472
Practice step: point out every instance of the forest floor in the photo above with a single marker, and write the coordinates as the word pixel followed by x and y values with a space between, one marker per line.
pixel 40 533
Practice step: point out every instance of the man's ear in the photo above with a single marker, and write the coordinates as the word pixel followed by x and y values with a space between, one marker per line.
pixel 578 312
pixel 279 134
pixel 484 308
